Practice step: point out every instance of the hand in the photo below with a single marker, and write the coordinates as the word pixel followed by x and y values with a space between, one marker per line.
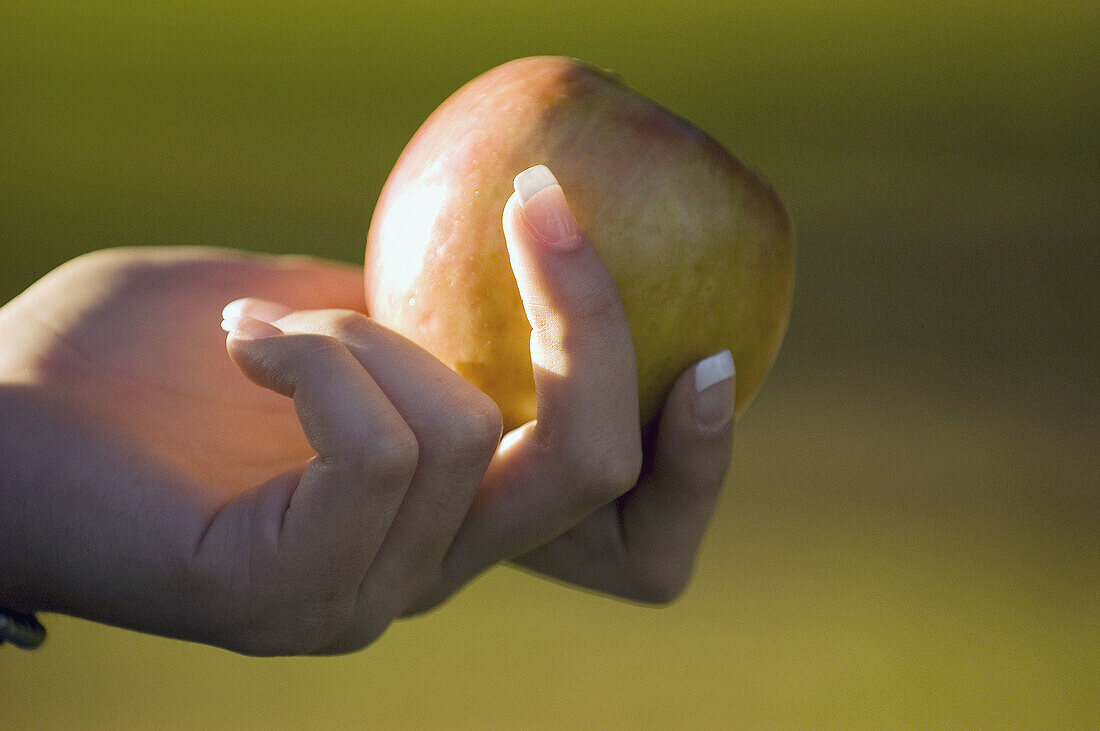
pixel 562 494
pixel 177 499
pixel 146 483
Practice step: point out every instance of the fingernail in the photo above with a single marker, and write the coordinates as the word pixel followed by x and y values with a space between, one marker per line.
pixel 544 209
pixel 249 328
pixel 714 390
pixel 255 308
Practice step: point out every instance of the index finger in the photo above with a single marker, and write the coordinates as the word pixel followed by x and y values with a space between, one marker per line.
pixel 341 510
pixel 584 449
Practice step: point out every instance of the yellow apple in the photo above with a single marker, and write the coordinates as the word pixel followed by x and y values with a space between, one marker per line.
pixel 700 246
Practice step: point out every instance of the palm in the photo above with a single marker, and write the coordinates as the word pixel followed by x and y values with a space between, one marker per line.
pixel 130 339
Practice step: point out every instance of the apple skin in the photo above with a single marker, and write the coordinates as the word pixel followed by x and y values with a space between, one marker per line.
pixel 700 246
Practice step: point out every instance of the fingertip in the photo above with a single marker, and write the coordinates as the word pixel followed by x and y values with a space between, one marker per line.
pixel 513 203
pixel 693 444
pixel 533 180
pixel 714 381
pixel 235 309
pixel 245 343
pixel 511 215
pixel 249 328
pixel 699 409
pixel 255 308
pixel 541 206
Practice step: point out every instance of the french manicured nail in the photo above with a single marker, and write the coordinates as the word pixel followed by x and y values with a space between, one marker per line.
pixel 715 381
pixel 256 308
pixel 248 328
pixel 544 208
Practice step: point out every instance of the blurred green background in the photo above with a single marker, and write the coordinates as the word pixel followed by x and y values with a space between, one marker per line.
pixel 911 532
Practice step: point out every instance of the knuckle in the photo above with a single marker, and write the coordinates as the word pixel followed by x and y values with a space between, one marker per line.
pixel 598 301
pixel 431 598
pixel 321 358
pixel 349 325
pixel 660 591
pixel 592 309
pixel 472 431
pixel 356 637
pixel 485 418
pixel 659 582
pixel 624 465
pixel 609 470
pixel 391 456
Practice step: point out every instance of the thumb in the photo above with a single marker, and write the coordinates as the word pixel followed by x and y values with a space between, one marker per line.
pixel 581 346
pixel 665 516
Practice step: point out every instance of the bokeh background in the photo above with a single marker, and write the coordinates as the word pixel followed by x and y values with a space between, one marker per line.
pixel 911 531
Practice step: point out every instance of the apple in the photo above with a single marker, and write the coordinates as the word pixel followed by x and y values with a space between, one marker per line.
pixel 700 246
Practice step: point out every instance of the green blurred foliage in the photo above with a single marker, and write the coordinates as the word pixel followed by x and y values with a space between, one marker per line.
pixel 910 533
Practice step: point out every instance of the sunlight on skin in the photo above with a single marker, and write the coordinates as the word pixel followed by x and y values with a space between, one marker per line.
pixel 194 408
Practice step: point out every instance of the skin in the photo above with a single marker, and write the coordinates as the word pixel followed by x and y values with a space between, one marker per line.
pixel 296 486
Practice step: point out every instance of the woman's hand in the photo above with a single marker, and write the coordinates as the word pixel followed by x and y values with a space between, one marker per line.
pixel 562 494
pixel 148 485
